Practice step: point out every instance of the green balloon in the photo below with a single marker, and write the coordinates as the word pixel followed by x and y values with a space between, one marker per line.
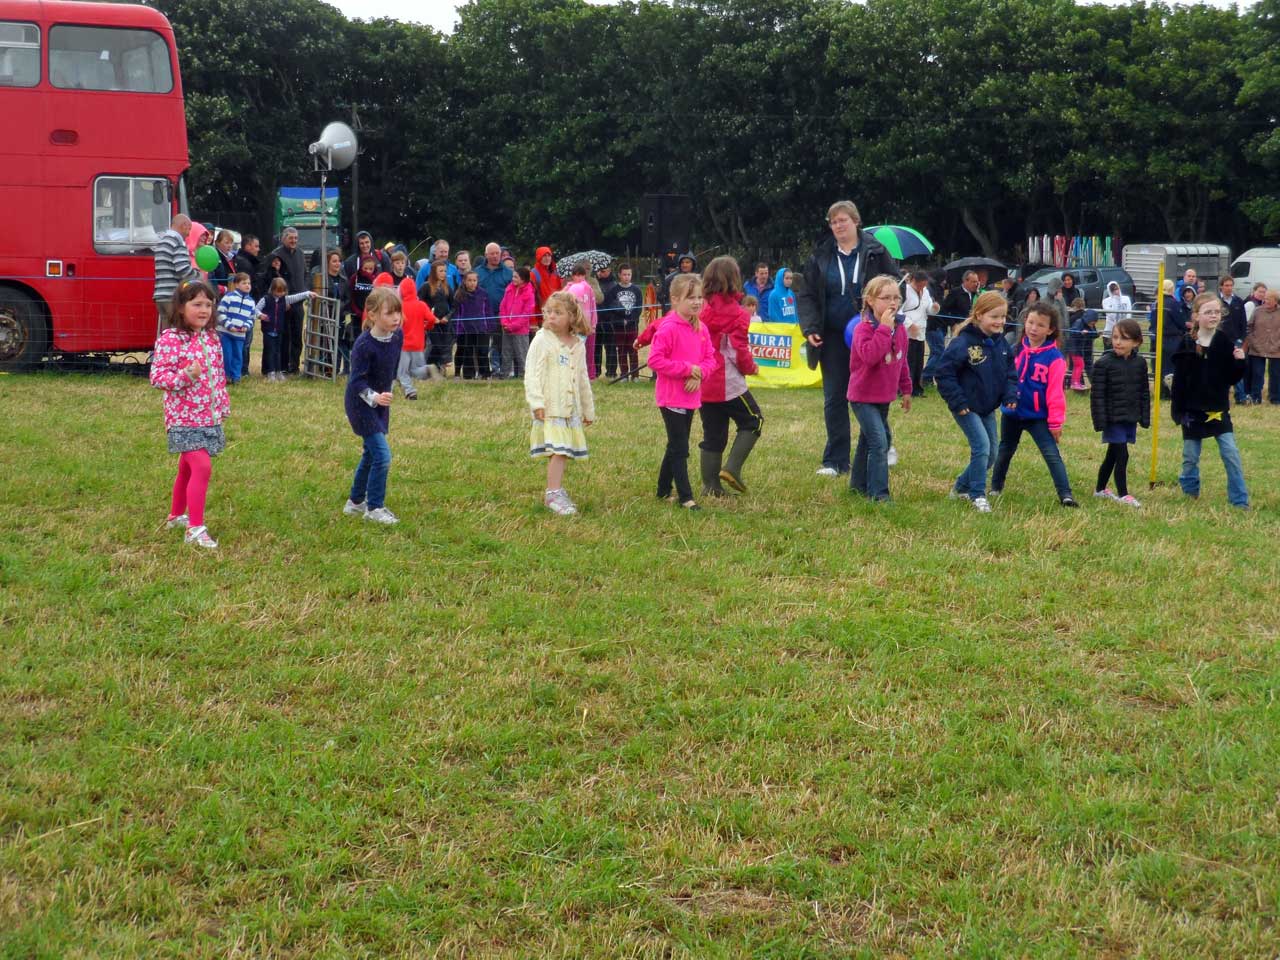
pixel 206 258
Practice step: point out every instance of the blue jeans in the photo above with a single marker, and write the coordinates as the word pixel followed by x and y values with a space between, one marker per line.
pixel 1011 430
pixel 1260 368
pixel 370 481
pixel 981 434
pixel 495 354
pixel 869 472
pixel 1189 479
pixel 937 341
pixel 272 354
pixel 834 359
pixel 232 356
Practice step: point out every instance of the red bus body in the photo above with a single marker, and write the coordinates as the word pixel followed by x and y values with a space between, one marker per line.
pixel 92 155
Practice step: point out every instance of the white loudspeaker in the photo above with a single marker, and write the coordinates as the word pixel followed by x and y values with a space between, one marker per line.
pixel 336 147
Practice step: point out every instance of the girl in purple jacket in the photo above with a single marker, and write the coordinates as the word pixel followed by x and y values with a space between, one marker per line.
pixel 473 320
pixel 681 352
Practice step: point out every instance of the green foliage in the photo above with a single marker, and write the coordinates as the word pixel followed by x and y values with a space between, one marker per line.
pixel 546 120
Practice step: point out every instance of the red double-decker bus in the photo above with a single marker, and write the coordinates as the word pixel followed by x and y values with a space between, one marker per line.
pixel 92 155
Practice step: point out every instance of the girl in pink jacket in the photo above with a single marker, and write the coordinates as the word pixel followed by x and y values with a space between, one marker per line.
pixel 680 355
pixel 516 313
pixel 878 375
pixel 187 366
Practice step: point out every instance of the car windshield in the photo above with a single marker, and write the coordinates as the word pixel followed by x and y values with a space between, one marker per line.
pixel 1044 275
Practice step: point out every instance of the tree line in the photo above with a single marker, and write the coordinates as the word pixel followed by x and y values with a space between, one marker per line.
pixel 976 121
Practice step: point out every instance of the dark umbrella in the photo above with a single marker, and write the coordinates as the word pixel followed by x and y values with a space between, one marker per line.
pixel 597 258
pixel 957 267
pixel 975 263
pixel 901 242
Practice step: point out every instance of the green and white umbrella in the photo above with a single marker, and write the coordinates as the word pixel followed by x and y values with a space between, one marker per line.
pixel 901 242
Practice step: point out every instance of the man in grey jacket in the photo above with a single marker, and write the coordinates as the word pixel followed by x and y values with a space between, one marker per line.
pixel 293 267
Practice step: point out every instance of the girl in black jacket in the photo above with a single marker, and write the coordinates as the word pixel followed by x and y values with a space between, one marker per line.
pixel 1120 403
pixel 1204 370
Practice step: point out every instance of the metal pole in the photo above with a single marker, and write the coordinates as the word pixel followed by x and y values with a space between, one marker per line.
pixel 324 235
pixel 355 183
pixel 1155 401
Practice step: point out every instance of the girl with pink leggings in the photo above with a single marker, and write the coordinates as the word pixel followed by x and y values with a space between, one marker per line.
pixel 187 366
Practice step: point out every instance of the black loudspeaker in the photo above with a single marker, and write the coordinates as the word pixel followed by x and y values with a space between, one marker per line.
pixel 664 224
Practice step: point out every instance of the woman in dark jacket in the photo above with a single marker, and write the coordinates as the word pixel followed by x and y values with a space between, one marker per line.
pixel 830 296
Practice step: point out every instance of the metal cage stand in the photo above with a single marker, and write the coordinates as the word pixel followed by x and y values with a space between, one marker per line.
pixel 320 339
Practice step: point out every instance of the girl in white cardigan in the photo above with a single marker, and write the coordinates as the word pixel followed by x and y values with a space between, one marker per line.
pixel 558 392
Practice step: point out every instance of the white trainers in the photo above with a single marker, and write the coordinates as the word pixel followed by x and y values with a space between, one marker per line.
pixel 981 505
pixel 353 509
pixel 558 502
pixel 381 515
pixel 892 457
pixel 954 494
pixel 1129 500
pixel 180 522
pixel 828 472
pixel 1105 494
pixel 200 537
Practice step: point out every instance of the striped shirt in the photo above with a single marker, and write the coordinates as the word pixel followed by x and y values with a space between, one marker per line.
pixel 236 313
pixel 173 264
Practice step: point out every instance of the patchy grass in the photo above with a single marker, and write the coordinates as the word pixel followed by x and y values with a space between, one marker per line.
pixel 795 725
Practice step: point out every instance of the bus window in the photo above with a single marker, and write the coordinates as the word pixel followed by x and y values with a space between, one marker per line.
pixel 129 213
pixel 108 58
pixel 19 54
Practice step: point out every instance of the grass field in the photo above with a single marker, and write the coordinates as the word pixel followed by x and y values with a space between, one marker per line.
pixel 794 725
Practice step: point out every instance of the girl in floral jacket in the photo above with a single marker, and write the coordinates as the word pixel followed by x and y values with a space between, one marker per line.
pixel 187 366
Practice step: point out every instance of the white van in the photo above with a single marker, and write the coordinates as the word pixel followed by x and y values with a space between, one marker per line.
pixel 1256 265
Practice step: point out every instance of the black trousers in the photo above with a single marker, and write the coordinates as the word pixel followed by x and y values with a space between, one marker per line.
pixel 743 410
pixel 440 345
pixel 675 461
pixel 473 356
pixel 915 366
pixel 835 407
pixel 293 337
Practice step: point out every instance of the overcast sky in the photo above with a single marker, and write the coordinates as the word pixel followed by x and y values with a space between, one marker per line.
pixel 443 14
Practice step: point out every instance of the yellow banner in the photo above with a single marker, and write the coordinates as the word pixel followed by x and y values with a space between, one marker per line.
pixel 779 352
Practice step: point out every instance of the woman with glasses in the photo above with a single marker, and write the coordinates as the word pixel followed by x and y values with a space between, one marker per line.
pixel 829 297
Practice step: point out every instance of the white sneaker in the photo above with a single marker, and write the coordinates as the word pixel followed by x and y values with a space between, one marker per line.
pixel 1129 500
pixel 200 537
pixel 558 502
pixel 353 509
pixel 892 457
pixel 180 522
pixel 1105 494
pixel 954 494
pixel 981 505
pixel 381 515
pixel 828 472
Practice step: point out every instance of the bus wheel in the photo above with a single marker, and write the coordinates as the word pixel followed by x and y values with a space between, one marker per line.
pixel 24 336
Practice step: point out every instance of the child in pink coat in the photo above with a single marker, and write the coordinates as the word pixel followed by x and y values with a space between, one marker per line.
pixel 187 366
pixel 679 357
pixel 878 375
pixel 516 313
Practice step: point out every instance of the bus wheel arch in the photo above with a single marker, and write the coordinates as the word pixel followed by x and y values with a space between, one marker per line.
pixel 25 333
